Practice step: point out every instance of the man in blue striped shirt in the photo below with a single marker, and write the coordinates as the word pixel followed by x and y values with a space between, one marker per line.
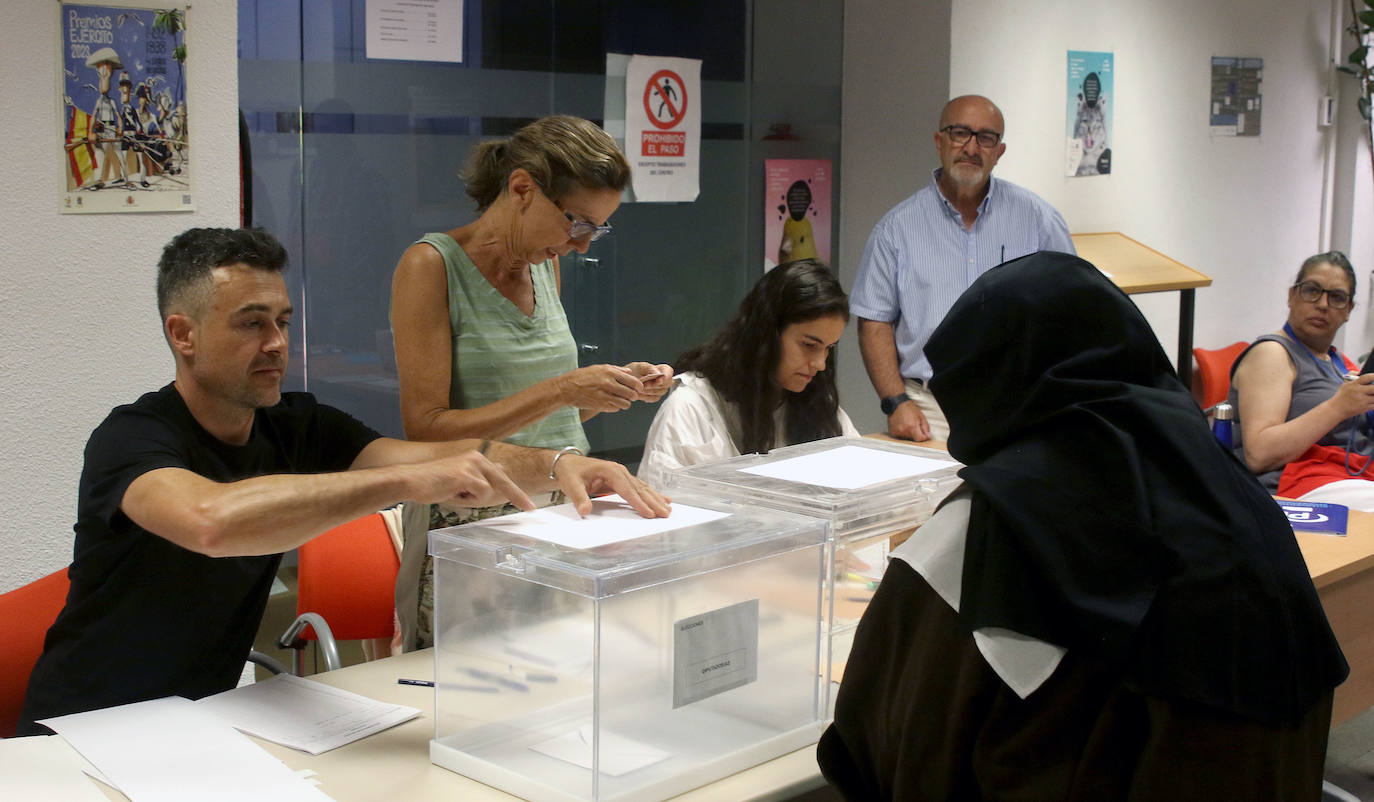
pixel 930 247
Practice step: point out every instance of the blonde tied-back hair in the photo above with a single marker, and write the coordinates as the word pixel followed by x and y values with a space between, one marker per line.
pixel 562 153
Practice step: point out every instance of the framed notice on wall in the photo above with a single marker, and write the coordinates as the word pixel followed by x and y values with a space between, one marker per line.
pixel 124 122
pixel 1236 96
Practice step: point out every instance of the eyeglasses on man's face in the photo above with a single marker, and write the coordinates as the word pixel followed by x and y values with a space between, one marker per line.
pixel 1312 292
pixel 960 135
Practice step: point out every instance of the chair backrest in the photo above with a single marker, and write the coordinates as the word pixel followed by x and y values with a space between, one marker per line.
pixel 25 615
pixel 1214 369
pixel 348 575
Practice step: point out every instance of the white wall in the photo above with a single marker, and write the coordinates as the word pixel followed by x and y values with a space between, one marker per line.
pixel 1245 211
pixel 81 330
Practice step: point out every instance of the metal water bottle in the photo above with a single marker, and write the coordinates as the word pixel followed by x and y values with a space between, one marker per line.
pixel 1223 421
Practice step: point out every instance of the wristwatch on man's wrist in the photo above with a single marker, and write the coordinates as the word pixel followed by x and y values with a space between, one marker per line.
pixel 890 404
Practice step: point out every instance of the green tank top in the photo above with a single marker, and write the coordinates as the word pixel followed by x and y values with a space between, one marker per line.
pixel 499 351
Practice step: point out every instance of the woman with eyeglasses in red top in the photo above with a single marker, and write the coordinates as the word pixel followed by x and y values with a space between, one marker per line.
pixel 1304 409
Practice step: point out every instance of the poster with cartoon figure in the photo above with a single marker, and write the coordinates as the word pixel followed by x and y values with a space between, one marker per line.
pixel 796 211
pixel 1090 96
pixel 123 114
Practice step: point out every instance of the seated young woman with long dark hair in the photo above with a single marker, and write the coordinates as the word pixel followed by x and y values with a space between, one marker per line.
pixel 764 380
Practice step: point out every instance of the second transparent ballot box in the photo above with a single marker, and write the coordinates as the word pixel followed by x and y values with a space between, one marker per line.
pixel 621 658
pixel 870 492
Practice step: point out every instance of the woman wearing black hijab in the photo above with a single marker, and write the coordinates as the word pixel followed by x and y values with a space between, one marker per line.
pixel 1110 607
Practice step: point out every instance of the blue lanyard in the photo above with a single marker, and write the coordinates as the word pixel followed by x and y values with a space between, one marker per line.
pixel 1368 416
pixel 1335 356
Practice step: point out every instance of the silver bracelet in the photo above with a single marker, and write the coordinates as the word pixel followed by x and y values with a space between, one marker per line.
pixel 559 456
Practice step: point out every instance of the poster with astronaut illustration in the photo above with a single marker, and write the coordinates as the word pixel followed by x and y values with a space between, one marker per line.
pixel 123 114
pixel 1090 96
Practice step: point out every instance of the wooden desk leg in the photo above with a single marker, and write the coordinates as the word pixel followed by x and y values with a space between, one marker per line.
pixel 1185 336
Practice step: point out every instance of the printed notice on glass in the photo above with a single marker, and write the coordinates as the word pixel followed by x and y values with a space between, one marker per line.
pixel 714 652
pixel 415 30
pixel 663 127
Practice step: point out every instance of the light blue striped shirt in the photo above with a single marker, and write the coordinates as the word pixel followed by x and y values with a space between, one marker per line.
pixel 920 258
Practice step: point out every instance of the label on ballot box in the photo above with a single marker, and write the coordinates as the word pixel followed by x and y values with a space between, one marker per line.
pixel 714 652
pixel 1316 516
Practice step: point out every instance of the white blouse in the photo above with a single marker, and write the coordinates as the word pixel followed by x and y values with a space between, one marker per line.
pixel 693 426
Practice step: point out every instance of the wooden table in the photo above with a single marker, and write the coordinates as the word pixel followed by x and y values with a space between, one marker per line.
pixel 394 764
pixel 1342 568
pixel 1136 268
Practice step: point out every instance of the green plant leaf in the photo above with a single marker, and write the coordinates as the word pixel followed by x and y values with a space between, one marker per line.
pixel 1358 54
pixel 1367 17
pixel 1364 107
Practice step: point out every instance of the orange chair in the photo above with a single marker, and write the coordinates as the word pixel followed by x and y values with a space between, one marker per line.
pixel 25 615
pixel 346 589
pixel 1214 369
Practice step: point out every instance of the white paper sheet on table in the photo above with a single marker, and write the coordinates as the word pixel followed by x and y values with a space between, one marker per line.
pixel 304 714
pixel 619 755
pixel 44 767
pixel 170 750
pixel 612 520
pixel 849 467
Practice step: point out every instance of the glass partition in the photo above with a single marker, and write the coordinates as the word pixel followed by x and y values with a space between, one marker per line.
pixel 353 159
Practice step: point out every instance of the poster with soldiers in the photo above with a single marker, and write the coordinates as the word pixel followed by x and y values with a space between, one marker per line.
pixel 122 97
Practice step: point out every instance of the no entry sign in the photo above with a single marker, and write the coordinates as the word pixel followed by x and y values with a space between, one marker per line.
pixel 663 127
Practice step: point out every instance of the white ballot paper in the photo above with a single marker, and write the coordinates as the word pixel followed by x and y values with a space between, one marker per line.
pixel 171 750
pixel 849 467
pixel 612 520
pixel 44 767
pixel 619 755
pixel 303 714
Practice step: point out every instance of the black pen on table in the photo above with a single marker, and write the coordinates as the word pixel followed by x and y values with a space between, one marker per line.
pixel 424 683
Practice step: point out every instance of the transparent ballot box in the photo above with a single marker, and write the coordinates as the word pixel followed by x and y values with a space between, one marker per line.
pixel 870 492
pixel 599 659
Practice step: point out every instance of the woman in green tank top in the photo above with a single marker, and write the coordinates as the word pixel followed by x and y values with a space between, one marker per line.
pixel 483 347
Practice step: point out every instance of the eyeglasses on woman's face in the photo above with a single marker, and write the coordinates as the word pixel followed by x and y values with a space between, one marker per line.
pixel 1312 292
pixel 584 228
pixel 579 228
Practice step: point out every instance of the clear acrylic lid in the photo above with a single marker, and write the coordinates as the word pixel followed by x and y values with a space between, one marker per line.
pixel 887 503
pixel 745 534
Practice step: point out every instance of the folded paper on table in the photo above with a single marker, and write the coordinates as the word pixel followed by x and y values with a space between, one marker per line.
pixel 619 755
pixel 304 714
pixel 171 749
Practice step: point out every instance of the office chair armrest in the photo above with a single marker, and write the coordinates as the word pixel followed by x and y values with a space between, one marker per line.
pixel 291 639
pixel 267 661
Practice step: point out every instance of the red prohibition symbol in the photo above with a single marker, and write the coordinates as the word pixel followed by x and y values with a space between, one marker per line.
pixel 665 99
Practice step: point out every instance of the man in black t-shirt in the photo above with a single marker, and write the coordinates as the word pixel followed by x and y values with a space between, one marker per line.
pixel 189 495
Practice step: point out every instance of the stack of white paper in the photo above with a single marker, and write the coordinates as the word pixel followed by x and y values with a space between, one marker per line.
pixel 172 750
pixel 303 714
pixel 612 520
